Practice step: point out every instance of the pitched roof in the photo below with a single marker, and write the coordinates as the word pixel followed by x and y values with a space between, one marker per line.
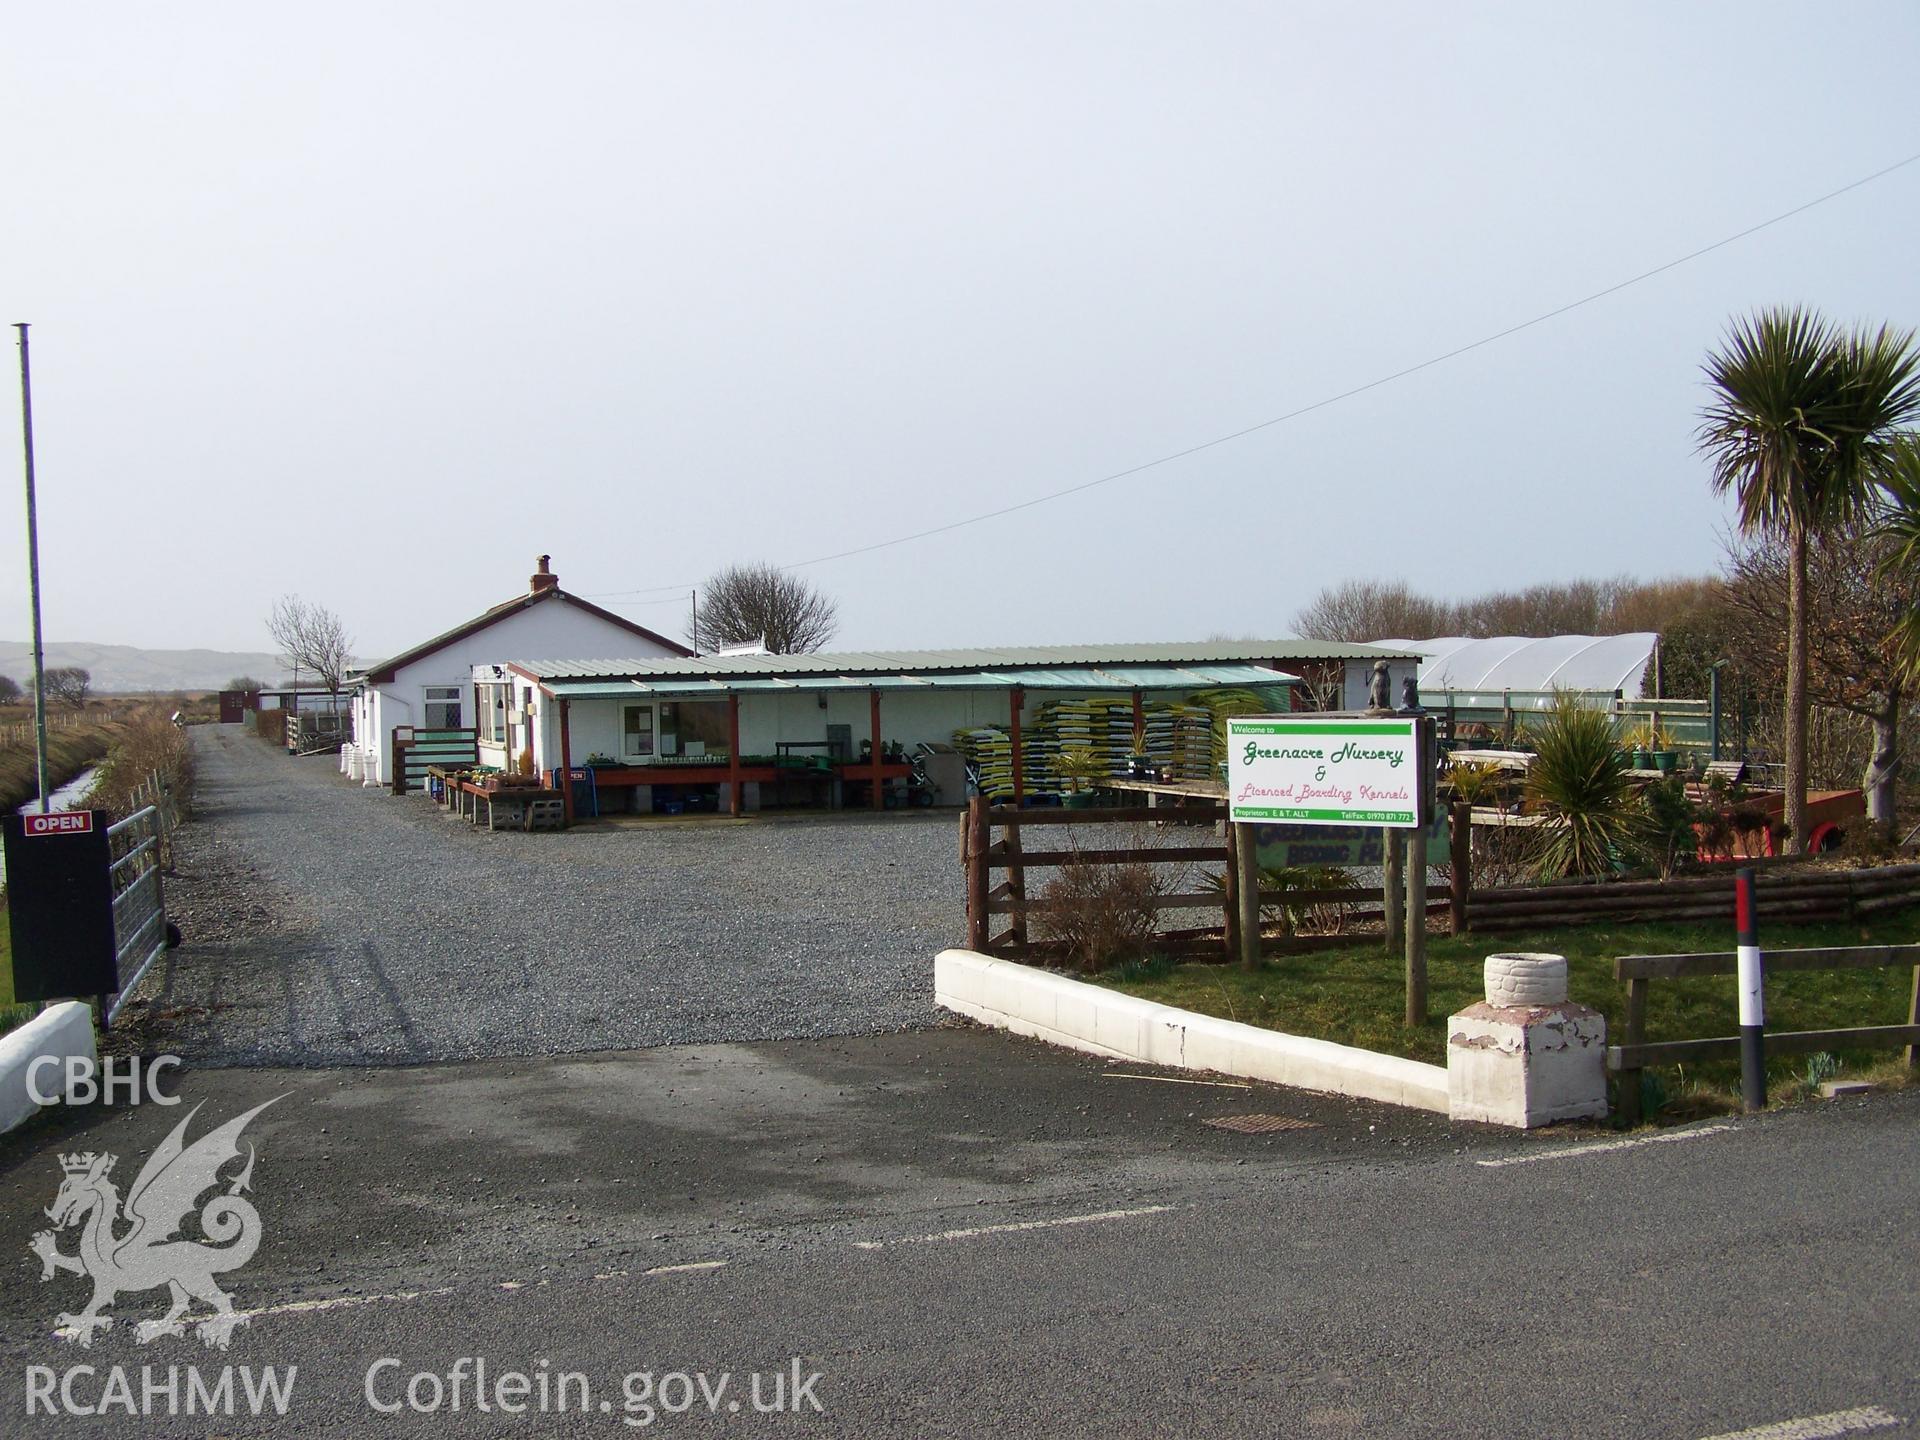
pixel 386 669
pixel 1027 657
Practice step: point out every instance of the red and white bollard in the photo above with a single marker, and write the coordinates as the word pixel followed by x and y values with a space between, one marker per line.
pixel 1753 996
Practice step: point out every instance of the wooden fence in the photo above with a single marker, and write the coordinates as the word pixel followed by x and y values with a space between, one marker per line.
pixel 1638 971
pixel 996 838
pixel 22 732
pixel 1791 890
pixel 992 840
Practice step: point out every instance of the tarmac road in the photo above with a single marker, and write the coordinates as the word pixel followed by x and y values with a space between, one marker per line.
pixel 964 1234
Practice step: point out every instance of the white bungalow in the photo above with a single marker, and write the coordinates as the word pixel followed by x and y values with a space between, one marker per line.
pixel 429 686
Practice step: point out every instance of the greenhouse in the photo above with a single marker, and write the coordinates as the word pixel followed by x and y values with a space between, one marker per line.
pixel 1481 671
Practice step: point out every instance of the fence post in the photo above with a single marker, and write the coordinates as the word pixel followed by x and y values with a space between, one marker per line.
pixel 1016 888
pixel 1629 1106
pixel 159 867
pixel 1460 864
pixel 1416 943
pixel 162 827
pixel 1247 861
pixel 1913 1018
pixel 977 874
pixel 1230 882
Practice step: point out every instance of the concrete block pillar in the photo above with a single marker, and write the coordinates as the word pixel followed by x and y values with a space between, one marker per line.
pixel 1527 1055
pixel 749 797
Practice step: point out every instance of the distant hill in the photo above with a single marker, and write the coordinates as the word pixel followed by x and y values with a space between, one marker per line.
pixel 122 668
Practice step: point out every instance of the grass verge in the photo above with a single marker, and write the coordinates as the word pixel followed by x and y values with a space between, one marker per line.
pixel 1356 996
pixel 11 1015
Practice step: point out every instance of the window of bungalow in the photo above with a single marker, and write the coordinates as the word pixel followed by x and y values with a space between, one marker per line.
pixel 493 714
pixel 443 707
pixel 693 727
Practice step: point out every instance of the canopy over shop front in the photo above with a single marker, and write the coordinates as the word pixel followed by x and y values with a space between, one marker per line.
pixel 1124 678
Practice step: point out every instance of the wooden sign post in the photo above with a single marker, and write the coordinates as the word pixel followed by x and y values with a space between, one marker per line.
pixel 1393 886
pixel 1246 861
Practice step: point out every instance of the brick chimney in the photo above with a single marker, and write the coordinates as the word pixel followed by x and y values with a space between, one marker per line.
pixel 543 578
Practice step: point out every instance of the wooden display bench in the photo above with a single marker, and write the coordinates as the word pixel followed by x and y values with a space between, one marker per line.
pixel 519 807
pixel 649 777
pixel 866 774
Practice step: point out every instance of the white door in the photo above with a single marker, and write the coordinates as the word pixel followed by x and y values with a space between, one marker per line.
pixel 636 733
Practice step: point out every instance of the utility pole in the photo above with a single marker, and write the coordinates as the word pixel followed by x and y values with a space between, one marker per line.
pixel 693 634
pixel 33 575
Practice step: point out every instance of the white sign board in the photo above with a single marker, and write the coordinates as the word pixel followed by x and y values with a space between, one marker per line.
pixel 1323 770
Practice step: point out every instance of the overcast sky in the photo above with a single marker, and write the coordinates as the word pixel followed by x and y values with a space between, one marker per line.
pixel 374 303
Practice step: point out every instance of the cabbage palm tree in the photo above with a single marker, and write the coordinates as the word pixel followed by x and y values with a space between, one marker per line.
pixel 1901 526
pixel 1578 783
pixel 1800 426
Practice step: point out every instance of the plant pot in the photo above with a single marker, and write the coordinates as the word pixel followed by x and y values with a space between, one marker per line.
pixel 1666 761
pixel 1642 759
pixel 1077 800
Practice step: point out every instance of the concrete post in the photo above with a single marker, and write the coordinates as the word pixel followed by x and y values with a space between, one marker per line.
pixel 1527 1055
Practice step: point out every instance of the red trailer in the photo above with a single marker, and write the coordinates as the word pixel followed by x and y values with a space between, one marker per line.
pixel 1757 824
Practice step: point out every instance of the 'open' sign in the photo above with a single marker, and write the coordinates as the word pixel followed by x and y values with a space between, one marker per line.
pixel 60 822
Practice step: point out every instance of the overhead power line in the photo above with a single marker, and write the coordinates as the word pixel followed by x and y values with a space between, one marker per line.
pixel 1440 359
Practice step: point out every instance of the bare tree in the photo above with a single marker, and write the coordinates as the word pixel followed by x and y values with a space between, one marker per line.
pixel 311 638
pixel 1852 609
pixel 68 685
pixel 247 683
pixel 759 603
pixel 9 690
pixel 1362 610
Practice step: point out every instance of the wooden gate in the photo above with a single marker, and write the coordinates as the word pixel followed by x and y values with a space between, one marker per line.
pixel 415 749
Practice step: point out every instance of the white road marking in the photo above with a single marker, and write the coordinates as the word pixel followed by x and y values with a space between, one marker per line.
pixel 303 1307
pixel 1172 1080
pixel 1014 1228
pixel 1568 1152
pixel 1818 1427
pixel 342 1302
pixel 352 1302
pixel 686 1269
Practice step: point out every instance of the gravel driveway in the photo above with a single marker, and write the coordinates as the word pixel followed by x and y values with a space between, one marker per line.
pixel 328 924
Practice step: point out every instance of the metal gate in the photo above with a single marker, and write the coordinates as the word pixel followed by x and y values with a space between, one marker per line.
pixel 139 902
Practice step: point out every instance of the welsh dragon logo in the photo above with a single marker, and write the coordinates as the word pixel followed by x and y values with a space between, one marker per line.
pixel 148 1255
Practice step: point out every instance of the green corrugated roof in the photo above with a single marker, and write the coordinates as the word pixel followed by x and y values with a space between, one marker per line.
pixel 1273 653
pixel 1143 677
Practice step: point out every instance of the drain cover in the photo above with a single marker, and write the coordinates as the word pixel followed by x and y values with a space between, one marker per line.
pixel 1259 1124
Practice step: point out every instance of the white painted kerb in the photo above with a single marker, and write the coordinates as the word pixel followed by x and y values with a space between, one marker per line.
pixel 59 1030
pixel 1093 1018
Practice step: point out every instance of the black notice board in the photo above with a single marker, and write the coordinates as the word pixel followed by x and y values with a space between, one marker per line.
pixel 60 905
